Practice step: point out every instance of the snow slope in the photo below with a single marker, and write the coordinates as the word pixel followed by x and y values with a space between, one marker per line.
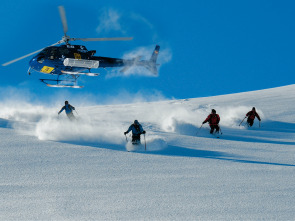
pixel 53 169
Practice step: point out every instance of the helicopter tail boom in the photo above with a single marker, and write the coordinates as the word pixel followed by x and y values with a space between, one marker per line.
pixel 152 63
pixel 155 54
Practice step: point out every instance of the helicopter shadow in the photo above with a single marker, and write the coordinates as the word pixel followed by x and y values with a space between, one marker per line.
pixel 278 126
pixel 273 132
pixel 176 151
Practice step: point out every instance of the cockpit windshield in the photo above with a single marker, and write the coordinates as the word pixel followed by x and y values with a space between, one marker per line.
pixel 44 51
pixel 64 51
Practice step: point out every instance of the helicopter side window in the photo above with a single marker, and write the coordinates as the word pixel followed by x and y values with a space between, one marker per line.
pixel 64 51
pixel 42 54
pixel 53 53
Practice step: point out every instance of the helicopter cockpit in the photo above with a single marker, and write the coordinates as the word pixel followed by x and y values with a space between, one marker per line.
pixel 42 55
pixel 46 53
pixel 64 51
pixel 53 53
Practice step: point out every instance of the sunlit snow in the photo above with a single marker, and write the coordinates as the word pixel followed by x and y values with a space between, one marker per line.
pixel 54 169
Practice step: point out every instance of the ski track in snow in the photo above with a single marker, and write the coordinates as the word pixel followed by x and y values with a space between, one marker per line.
pixel 82 169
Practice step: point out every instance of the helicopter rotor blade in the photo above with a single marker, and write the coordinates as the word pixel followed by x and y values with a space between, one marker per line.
pixel 102 39
pixel 20 58
pixel 62 14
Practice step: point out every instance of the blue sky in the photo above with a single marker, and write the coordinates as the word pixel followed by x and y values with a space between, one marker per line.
pixel 207 47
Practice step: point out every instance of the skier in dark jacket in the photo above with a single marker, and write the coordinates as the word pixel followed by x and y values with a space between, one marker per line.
pixel 69 110
pixel 213 120
pixel 137 130
pixel 251 116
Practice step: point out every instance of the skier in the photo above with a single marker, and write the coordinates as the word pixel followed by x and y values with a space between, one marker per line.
pixel 213 120
pixel 137 130
pixel 251 116
pixel 69 110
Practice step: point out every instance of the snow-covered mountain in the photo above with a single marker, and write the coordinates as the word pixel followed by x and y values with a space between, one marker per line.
pixel 54 169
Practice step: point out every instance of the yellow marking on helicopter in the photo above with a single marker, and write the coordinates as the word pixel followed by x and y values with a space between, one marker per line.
pixel 47 69
pixel 77 56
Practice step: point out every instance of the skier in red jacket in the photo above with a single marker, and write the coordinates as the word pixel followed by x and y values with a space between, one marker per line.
pixel 251 116
pixel 213 120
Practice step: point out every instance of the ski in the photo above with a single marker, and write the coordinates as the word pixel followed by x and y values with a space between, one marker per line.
pixel 217 134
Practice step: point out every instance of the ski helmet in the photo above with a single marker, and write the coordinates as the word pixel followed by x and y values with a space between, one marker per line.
pixel 136 122
pixel 66 102
pixel 213 111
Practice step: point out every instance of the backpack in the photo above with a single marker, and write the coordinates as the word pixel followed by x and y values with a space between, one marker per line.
pixel 251 115
pixel 214 119
pixel 137 128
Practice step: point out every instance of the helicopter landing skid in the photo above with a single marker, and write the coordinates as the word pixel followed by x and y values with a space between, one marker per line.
pixel 60 84
pixel 80 73
pixel 68 86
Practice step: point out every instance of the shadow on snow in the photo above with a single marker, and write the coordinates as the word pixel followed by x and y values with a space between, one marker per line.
pixel 246 134
pixel 175 151
pixel 277 126
pixel 186 152
pixel 5 123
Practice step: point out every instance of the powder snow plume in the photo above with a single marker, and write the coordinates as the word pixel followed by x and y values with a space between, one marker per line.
pixel 105 124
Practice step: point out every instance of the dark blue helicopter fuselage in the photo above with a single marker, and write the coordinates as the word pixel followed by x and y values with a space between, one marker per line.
pixel 51 59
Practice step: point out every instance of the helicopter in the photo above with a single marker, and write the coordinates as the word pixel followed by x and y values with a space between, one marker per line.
pixel 68 62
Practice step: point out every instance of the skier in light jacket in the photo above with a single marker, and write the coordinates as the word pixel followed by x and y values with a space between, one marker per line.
pixel 137 130
pixel 69 110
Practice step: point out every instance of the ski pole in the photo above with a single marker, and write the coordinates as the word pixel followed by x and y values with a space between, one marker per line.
pixel 144 142
pixel 77 112
pixel 126 138
pixel 242 121
pixel 199 130
pixel 220 130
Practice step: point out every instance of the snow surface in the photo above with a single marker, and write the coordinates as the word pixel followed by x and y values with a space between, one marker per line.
pixel 53 169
